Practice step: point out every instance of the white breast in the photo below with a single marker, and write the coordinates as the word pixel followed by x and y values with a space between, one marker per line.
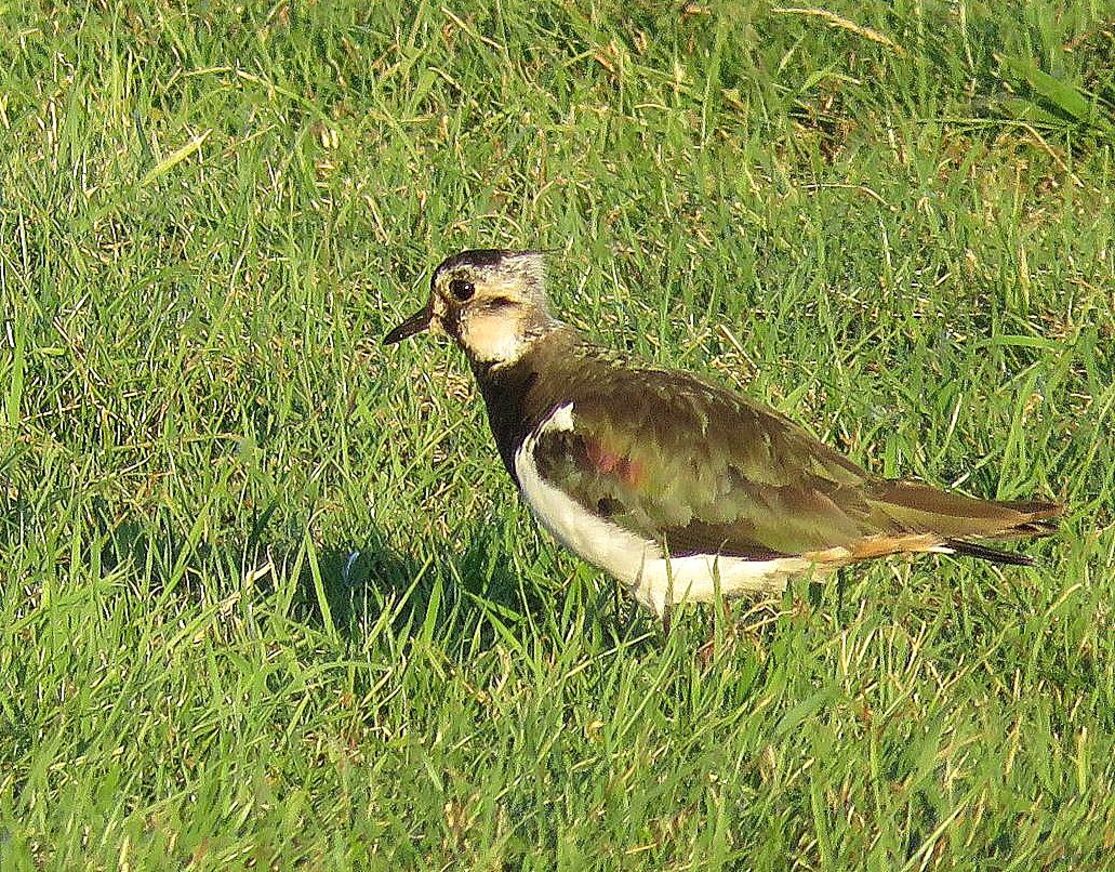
pixel 654 579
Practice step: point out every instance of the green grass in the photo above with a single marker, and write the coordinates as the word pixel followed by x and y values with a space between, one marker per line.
pixel 901 235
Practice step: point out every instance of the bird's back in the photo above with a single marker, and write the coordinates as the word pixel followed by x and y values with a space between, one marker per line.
pixel 674 458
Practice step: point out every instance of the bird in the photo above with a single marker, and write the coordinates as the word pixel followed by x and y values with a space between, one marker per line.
pixel 683 490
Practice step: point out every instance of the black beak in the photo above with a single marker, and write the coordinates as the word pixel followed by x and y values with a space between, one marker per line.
pixel 416 323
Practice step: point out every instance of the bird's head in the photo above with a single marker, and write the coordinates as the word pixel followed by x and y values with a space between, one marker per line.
pixel 491 302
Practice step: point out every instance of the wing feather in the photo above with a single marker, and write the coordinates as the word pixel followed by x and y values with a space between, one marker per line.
pixel 703 470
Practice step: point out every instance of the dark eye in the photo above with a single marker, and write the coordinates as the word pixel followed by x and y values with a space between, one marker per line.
pixel 462 289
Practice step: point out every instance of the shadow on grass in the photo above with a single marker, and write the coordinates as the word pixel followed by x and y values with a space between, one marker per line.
pixel 347 585
pixel 462 600
pixel 367 586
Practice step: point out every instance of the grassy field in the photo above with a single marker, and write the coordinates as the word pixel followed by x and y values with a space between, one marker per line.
pixel 267 597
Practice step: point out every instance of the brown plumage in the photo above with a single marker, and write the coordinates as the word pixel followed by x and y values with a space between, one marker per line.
pixel 677 486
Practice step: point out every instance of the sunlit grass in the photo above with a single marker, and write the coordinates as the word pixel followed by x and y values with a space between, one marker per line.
pixel 267 596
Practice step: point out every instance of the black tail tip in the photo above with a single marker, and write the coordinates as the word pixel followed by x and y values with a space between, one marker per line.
pixel 982 552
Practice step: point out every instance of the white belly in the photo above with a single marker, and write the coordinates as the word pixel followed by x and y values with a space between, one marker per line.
pixel 655 579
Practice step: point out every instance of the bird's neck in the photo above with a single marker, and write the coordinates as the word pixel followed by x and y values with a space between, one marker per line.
pixel 496 339
pixel 520 393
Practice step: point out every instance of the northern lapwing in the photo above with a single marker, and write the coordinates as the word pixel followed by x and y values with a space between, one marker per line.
pixel 680 488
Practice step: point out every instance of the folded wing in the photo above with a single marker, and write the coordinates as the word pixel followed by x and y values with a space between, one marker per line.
pixel 704 470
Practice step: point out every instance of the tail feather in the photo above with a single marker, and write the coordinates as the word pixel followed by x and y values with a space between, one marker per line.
pixel 959 519
pixel 974 549
pixel 1041 519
